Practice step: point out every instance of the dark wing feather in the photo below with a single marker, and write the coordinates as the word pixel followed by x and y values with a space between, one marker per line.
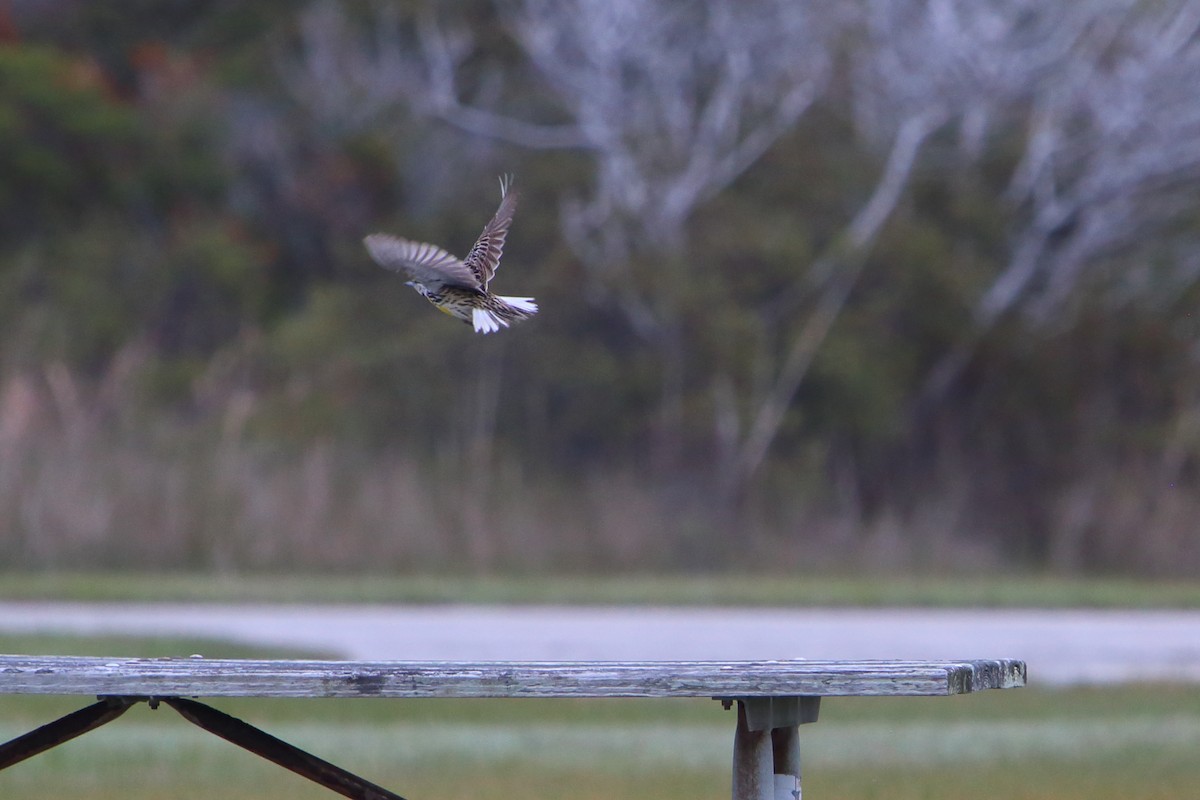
pixel 484 257
pixel 424 263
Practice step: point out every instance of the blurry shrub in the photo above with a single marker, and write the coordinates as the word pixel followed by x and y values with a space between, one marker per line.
pixel 65 142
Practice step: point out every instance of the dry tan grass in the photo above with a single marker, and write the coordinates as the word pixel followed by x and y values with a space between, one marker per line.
pixel 86 481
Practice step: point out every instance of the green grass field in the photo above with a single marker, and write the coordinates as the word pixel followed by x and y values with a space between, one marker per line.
pixel 932 591
pixel 1123 742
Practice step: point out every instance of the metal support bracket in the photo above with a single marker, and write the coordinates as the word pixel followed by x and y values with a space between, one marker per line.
pixel 216 722
pixel 766 713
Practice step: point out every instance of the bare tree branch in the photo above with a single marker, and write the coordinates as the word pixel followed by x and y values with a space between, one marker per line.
pixel 672 102
pixel 1112 155
pixel 850 254
pixel 675 101
pixel 439 96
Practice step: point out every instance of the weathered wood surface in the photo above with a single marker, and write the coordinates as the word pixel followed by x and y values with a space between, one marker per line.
pixel 201 677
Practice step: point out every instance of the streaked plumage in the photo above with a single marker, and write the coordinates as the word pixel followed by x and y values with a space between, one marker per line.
pixel 460 287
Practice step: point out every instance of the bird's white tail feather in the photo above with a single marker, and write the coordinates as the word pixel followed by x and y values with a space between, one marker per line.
pixel 485 321
pixel 525 304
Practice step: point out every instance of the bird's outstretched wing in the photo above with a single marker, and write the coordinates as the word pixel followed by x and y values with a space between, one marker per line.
pixel 424 263
pixel 484 257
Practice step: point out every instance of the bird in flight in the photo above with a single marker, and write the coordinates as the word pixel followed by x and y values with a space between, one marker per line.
pixel 459 287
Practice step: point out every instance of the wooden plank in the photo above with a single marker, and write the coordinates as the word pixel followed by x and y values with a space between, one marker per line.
pixel 198 677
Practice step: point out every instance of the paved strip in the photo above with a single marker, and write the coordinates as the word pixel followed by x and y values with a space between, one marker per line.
pixel 1059 646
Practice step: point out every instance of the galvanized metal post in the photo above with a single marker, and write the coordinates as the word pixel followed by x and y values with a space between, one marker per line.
pixel 785 744
pixel 753 770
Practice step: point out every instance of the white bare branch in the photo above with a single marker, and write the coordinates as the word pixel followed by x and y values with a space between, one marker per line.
pixel 675 100
pixel 1098 160
pixel 850 257
pixel 1113 141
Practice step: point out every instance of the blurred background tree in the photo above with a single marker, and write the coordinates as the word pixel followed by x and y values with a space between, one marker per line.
pixel 895 283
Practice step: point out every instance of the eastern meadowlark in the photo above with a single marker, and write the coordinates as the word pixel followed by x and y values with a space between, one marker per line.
pixel 459 287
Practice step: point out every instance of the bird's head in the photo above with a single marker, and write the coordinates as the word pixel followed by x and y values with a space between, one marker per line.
pixel 419 287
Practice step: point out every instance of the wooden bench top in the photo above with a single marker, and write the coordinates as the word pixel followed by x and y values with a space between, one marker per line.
pixel 204 677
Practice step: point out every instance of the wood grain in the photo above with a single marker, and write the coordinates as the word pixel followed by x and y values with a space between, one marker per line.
pixel 199 677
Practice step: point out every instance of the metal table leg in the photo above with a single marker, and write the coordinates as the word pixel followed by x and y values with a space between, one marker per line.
pixel 210 719
pixel 766 746
pixel 64 729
